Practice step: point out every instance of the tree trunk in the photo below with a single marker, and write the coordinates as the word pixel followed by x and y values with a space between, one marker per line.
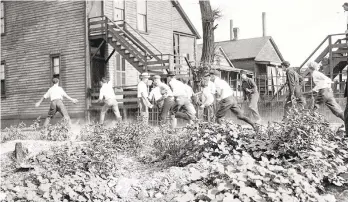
pixel 208 33
pixel 208 18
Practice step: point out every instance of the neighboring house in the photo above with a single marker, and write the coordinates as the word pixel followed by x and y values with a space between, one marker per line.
pixel 81 41
pixel 259 55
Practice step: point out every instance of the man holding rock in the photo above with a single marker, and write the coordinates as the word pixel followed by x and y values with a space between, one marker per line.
pixel 181 101
pixel 108 95
pixel 166 95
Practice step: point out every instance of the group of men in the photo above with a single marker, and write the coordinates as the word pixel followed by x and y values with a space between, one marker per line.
pixel 175 98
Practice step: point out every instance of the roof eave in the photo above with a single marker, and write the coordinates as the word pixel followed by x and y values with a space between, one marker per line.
pixel 186 18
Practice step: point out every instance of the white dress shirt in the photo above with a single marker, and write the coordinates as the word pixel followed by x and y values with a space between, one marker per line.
pixel 189 91
pixel 320 80
pixel 223 89
pixel 55 92
pixel 211 87
pixel 178 87
pixel 142 88
pixel 207 97
pixel 155 94
pixel 107 92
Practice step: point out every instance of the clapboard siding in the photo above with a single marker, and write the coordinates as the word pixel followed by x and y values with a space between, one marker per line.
pixel 34 30
pixel 179 24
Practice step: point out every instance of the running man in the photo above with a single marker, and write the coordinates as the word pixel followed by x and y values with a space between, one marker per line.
pixel 166 96
pixel 250 93
pixel 226 101
pixel 293 80
pixel 56 94
pixel 107 93
pixel 181 101
pixel 323 88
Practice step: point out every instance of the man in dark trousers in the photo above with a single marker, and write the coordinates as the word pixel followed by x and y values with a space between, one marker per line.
pixel 293 81
pixel 250 93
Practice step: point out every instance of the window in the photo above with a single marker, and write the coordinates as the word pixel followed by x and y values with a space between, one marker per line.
pixel 142 15
pixel 55 67
pixel 176 48
pixel 119 10
pixel 120 71
pixel 2 18
pixel 2 76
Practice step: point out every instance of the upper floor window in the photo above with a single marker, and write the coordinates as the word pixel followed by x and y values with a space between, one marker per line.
pixel 119 10
pixel 2 18
pixel 2 76
pixel 142 15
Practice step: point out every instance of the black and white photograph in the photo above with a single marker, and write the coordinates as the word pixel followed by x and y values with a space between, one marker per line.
pixel 174 100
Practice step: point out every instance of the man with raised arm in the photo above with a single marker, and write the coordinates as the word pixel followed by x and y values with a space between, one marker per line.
pixel 108 95
pixel 323 88
pixel 56 94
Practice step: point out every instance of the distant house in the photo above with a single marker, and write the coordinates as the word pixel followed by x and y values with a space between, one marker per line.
pixel 260 56
pixel 80 42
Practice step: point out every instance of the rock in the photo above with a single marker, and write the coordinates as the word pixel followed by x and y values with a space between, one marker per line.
pixel 20 152
pixel 123 186
pixel 158 195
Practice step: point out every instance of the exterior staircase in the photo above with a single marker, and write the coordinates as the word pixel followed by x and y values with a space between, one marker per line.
pixel 135 49
pixel 334 56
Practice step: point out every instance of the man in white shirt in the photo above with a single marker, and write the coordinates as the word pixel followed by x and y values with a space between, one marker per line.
pixel 226 100
pixel 56 94
pixel 107 93
pixel 189 90
pixel 323 88
pixel 143 95
pixel 166 97
pixel 182 108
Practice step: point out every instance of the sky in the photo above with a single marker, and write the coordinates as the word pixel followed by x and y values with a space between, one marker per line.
pixel 297 26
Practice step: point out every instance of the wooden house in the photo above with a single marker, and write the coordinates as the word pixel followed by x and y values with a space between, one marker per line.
pixel 259 55
pixel 81 41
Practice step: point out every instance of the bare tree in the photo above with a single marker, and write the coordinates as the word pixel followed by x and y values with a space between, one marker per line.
pixel 208 18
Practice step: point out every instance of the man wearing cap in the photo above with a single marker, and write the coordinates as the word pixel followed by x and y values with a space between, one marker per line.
pixel 107 93
pixel 181 100
pixel 207 100
pixel 225 100
pixel 323 88
pixel 143 95
pixel 166 97
pixel 250 93
pixel 56 94
pixel 293 80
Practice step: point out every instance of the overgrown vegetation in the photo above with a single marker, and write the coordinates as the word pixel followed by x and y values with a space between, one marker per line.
pixel 292 161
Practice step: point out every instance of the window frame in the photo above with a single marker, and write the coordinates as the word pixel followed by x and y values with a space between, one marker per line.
pixel 4 63
pixel 120 72
pixel 52 56
pixel 144 15
pixel 119 8
pixel 4 18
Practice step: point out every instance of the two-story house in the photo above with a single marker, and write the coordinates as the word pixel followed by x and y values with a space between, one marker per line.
pixel 81 41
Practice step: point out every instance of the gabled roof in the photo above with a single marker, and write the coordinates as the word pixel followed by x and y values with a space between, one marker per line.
pixel 247 48
pixel 185 17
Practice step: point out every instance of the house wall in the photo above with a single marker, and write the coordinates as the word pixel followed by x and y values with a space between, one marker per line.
pixel 248 64
pixel 162 17
pixel 268 53
pixel 34 30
